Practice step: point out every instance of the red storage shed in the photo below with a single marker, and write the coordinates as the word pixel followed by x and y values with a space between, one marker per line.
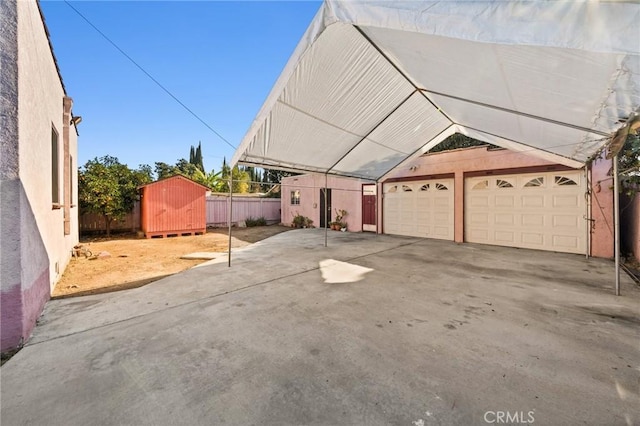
pixel 173 206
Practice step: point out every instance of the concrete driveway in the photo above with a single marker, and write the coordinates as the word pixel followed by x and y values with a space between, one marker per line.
pixel 372 330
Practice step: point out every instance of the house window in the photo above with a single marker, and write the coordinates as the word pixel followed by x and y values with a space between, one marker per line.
pixel 539 181
pixel 295 197
pixel 503 184
pixel 483 184
pixel 55 168
pixel 564 181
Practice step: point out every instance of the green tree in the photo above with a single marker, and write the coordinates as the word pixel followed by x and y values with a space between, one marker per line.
pixel 197 161
pixel 240 178
pixel 185 168
pixel 192 155
pixel 164 170
pixel 109 188
pixel 629 165
pixel 211 180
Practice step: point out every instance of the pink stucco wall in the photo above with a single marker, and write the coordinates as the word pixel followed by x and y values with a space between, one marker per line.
pixel 602 230
pixel 346 194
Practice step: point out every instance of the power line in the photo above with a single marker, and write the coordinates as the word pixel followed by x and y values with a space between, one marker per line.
pixel 149 75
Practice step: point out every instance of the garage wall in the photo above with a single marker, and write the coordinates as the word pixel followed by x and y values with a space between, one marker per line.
pixel 467 162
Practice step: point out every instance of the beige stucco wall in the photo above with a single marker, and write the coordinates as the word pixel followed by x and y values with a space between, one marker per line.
pixel 40 106
pixel 346 195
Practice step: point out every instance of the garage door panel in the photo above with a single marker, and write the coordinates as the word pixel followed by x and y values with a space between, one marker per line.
pixel 423 208
pixel 565 201
pixel 442 217
pixel 479 201
pixel 565 221
pixel 479 218
pixel 479 235
pixel 441 232
pixel 504 236
pixel 541 211
pixel 533 201
pixel 504 219
pixel 504 201
pixel 443 202
pixel 533 220
pixel 532 239
pixel 567 241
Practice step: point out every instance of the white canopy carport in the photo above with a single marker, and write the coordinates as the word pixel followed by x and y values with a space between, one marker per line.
pixel 372 84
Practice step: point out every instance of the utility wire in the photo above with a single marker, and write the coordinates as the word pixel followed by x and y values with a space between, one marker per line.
pixel 148 75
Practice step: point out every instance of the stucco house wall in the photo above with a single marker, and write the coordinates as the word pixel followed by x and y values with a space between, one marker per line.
pixel 346 195
pixel 38 234
pixel 602 225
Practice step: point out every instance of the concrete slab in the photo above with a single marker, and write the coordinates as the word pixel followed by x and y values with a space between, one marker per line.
pixel 202 255
pixel 369 330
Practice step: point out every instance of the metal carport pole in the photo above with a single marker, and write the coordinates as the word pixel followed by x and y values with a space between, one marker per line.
pixel 326 225
pixel 616 221
pixel 230 213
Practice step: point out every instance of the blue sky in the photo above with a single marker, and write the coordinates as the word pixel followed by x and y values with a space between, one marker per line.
pixel 220 59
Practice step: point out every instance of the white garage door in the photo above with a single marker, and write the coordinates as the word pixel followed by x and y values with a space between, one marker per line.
pixel 419 208
pixel 539 211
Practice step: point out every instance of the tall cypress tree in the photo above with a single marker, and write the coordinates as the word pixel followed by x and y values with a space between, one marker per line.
pixel 198 157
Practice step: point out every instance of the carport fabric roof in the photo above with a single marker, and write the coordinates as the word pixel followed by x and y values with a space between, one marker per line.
pixel 372 84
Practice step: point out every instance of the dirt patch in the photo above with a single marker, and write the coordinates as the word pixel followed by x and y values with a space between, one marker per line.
pixel 134 261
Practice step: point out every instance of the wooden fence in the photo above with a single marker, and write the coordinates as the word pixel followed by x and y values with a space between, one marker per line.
pixel 91 222
pixel 243 208
pixel 217 214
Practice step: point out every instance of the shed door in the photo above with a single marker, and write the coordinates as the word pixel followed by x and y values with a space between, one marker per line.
pixel 540 211
pixel 419 208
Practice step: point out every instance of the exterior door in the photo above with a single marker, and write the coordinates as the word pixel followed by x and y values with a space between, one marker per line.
pixel 325 206
pixel 369 211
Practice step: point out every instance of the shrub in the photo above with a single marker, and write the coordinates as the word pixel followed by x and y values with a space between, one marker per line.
pixel 300 221
pixel 261 221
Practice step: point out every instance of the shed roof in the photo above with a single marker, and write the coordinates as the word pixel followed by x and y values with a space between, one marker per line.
pixel 174 177
pixel 373 84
